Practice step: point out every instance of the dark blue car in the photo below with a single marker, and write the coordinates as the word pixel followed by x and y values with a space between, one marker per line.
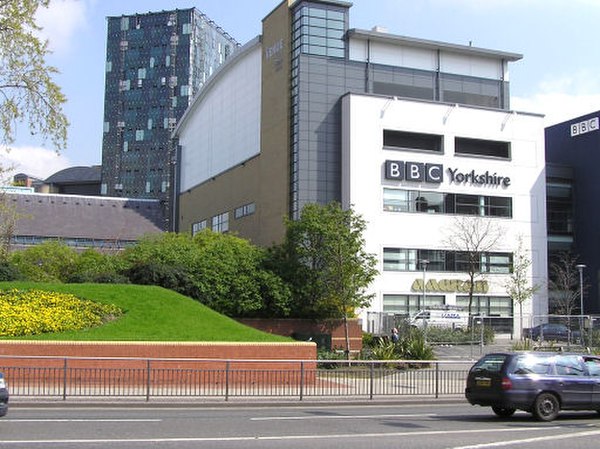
pixel 539 383
pixel 552 331
pixel 3 396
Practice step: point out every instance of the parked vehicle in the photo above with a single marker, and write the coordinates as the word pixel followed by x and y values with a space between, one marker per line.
pixel 537 382
pixel 3 396
pixel 455 319
pixel 552 331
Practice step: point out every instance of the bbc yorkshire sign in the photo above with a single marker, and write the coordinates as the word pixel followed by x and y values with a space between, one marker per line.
pixel 434 174
pixel 449 286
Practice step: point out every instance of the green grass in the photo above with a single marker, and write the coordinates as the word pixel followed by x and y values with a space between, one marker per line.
pixel 150 314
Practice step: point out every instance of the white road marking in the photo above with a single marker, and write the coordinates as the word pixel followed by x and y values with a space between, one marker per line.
pixel 267 438
pixel 79 420
pixel 531 440
pixel 300 418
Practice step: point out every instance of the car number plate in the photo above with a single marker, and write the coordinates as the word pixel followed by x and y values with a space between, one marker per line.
pixel 483 382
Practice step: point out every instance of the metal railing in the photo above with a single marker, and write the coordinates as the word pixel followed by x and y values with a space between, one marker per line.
pixel 64 378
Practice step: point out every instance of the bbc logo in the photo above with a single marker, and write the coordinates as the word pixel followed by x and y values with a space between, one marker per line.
pixel 584 127
pixel 414 171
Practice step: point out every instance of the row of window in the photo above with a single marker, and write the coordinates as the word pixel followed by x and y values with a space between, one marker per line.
pixel 399 200
pixel 75 242
pixel 483 305
pixel 402 140
pixel 402 259
pixel 220 222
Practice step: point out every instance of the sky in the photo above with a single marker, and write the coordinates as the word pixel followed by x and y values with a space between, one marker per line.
pixel 558 76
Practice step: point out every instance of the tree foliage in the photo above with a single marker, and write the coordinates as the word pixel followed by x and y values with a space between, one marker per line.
pixel 27 91
pixel 51 261
pixel 222 271
pixel 519 285
pixel 323 260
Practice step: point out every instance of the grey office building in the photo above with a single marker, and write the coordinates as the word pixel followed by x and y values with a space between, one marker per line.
pixel 155 63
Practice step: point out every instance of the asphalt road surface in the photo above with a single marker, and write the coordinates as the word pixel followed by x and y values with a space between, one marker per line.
pixel 408 425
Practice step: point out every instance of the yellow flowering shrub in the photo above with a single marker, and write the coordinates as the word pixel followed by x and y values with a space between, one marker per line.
pixel 32 312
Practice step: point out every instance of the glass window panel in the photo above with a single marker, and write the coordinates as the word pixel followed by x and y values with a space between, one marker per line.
pixel 396 200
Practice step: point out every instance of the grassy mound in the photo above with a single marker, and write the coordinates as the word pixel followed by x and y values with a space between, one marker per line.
pixel 149 314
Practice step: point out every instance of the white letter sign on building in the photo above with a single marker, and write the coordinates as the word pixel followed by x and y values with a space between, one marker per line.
pixel 586 126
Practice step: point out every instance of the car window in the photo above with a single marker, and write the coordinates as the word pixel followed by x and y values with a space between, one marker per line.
pixel 532 364
pixel 593 366
pixel 492 363
pixel 568 365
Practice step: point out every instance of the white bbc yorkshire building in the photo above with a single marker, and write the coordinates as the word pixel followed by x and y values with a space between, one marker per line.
pixel 412 134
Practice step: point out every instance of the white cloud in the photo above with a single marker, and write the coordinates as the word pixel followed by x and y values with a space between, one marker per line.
pixel 563 98
pixel 60 21
pixel 34 161
pixel 557 107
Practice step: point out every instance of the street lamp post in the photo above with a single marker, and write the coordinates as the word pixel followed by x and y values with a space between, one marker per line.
pixel 424 263
pixel 580 267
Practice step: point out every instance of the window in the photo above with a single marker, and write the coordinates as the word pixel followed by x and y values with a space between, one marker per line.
pixel 496 263
pixel 499 306
pixel 410 304
pixel 478 147
pixel 467 205
pixel 139 135
pixel 106 127
pixel 108 66
pixel 247 209
pixel 399 200
pixel 411 141
pixel 498 206
pixel 198 226
pixel 403 259
pixel 398 259
pixel 220 223
pixel 142 73
pixel 396 200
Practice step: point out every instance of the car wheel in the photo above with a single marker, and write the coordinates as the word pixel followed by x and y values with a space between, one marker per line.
pixel 545 407
pixel 503 412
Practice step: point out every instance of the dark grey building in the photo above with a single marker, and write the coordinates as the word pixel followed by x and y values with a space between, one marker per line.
pixel 74 181
pixel 155 63
pixel 82 222
pixel 572 157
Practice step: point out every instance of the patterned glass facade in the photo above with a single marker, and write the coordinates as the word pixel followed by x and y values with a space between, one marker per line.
pixel 155 64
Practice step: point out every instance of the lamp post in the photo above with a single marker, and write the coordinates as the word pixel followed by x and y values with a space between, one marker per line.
pixel 424 263
pixel 580 267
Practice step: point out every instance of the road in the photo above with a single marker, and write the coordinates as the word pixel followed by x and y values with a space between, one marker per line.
pixel 408 425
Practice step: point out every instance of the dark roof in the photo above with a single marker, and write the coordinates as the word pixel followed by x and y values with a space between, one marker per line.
pixel 75 216
pixel 76 175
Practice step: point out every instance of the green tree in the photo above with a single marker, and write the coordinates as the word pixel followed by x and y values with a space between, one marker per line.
pixel 27 91
pixel 91 265
pixel 51 261
pixel 519 286
pixel 323 259
pixel 222 271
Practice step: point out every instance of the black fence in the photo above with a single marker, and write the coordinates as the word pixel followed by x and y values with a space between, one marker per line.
pixel 147 379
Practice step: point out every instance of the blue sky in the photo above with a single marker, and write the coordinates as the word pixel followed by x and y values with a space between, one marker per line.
pixel 559 75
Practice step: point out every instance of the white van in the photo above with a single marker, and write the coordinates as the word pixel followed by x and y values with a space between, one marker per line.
pixel 455 319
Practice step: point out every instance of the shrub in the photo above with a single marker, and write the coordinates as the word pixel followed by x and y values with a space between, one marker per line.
pixel 9 272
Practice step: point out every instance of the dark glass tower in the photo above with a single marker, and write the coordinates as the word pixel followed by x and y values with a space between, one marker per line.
pixel 155 64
